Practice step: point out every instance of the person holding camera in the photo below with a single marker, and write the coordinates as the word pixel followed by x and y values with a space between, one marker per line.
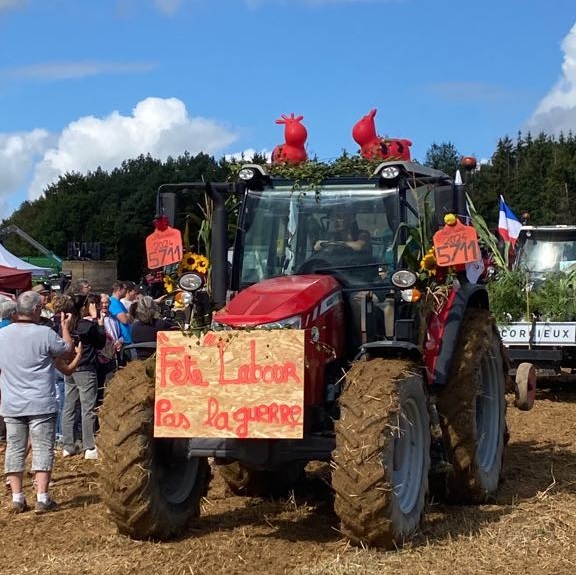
pixel 82 385
pixel 108 355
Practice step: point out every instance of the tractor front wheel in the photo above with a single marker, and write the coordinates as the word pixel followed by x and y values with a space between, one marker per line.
pixel 151 487
pixel 472 410
pixel 382 456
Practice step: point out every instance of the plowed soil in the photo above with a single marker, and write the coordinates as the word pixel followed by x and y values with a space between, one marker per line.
pixel 530 528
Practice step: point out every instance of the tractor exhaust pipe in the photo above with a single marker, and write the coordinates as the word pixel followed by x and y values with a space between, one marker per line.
pixel 218 248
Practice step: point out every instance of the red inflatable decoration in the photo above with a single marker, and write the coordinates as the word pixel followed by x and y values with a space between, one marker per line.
pixel 295 134
pixel 373 146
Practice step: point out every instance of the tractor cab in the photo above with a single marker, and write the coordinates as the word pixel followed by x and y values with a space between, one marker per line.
pixel 347 227
pixel 344 240
pixel 306 251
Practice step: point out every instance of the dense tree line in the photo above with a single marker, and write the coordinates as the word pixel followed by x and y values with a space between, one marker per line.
pixel 537 175
pixel 117 208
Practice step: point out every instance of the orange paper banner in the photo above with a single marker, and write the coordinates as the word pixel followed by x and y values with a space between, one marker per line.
pixel 457 244
pixel 163 248
pixel 244 384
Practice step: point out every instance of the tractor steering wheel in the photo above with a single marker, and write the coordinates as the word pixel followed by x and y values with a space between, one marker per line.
pixel 335 247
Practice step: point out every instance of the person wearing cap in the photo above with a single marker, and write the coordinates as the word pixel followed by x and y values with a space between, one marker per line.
pixel 43 289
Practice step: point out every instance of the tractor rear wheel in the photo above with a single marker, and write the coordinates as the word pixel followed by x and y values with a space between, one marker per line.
pixel 382 456
pixel 151 487
pixel 244 481
pixel 472 410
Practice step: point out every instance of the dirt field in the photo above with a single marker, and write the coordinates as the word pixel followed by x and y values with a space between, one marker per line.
pixel 531 528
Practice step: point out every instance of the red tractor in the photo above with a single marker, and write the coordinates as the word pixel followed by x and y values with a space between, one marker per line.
pixel 399 386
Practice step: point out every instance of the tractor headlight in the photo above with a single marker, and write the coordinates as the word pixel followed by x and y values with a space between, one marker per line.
pixel 191 281
pixel 404 279
pixel 390 172
pixel 246 174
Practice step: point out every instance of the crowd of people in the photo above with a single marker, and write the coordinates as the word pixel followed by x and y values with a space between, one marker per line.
pixel 57 354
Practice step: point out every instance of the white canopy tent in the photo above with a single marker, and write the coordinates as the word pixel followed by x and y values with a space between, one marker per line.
pixel 9 260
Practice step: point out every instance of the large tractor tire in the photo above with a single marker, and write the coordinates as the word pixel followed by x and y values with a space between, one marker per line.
pixel 382 456
pixel 151 487
pixel 244 481
pixel 472 411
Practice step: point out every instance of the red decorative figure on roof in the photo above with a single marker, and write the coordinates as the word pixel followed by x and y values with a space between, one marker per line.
pixel 373 146
pixel 295 134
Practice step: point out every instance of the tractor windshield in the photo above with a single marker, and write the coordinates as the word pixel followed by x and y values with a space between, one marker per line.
pixel 547 250
pixel 344 231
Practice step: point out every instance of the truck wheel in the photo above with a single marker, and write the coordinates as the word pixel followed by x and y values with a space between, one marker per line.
pixel 525 386
pixel 244 481
pixel 151 487
pixel 382 456
pixel 472 410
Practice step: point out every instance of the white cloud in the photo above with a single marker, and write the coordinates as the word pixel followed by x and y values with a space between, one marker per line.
pixel 557 111
pixel 168 6
pixel 67 70
pixel 469 91
pixel 247 155
pixel 18 153
pixel 159 127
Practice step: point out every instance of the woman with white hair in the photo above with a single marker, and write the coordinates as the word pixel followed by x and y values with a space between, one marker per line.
pixel 7 311
pixel 147 324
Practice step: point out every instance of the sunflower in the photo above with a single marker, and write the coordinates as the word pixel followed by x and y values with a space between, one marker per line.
pixel 169 284
pixel 428 262
pixel 202 264
pixel 192 262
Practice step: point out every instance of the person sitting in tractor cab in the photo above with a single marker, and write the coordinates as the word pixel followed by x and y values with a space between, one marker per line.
pixel 343 231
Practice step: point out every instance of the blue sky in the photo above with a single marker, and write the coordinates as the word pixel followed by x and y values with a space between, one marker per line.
pixel 87 83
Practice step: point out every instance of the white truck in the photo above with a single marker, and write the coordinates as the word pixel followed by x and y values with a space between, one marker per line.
pixel 540 346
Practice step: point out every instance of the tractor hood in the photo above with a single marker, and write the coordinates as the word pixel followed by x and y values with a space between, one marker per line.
pixel 276 299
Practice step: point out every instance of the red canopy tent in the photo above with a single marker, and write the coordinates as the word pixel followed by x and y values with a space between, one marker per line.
pixel 12 279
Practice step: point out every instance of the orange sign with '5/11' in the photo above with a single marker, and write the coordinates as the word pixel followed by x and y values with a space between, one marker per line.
pixel 244 384
pixel 457 244
pixel 163 248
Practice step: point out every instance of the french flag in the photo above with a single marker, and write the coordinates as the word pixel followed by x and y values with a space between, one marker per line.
pixel 509 225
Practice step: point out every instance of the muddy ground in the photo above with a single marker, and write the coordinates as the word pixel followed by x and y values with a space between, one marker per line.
pixel 531 528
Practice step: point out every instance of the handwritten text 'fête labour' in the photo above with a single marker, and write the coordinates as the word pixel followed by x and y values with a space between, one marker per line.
pixel 179 369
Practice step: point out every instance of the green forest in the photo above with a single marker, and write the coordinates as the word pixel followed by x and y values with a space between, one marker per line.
pixel 117 208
